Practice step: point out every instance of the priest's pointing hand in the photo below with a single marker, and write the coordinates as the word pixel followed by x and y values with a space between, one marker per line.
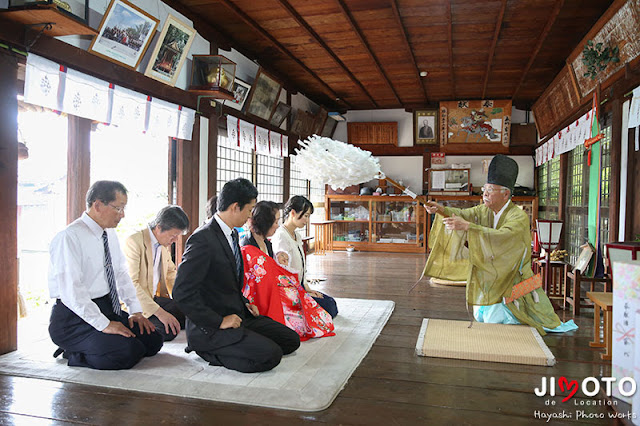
pixel 456 223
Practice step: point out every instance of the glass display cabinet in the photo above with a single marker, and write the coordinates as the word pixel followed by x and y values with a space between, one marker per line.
pixel 377 223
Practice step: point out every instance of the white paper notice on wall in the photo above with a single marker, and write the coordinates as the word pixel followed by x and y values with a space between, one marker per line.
pixel 86 96
pixel 634 109
pixel 163 118
pixel 285 146
pixel 42 81
pixel 247 136
pixel 275 144
pixel 232 131
pixel 186 118
pixel 262 140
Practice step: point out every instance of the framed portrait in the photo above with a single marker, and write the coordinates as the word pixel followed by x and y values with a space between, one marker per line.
pixel 170 52
pixel 124 35
pixel 297 121
pixel 264 95
pixel 279 114
pixel 425 126
pixel 240 91
pixel 328 128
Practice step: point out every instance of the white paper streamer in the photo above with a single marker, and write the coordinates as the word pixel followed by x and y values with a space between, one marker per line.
pixel 262 141
pixel 163 118
pixel 129 109
pixel 42 82
pixel 186 119
pixel 275 144
pixel 86 96
pixel 247 136
pixel 634 110
pixel 232 131
pixel 336 163
pixel 285 146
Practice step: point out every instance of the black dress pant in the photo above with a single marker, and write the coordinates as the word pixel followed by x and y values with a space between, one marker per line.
pixel 84 346
pixel 170 306
pixel 260 344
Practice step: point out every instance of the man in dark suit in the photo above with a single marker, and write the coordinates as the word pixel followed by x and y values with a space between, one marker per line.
pixel 222 327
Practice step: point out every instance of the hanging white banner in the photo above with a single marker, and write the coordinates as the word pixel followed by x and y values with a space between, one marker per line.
pixel 285 146
pixel 163 118
pixel 247 136
pixel 86 96
pixel 262 141
pixel 186 118
pixel 275 144
pixel 129 109
pixel 634 110
pixel 232 131
pixel 42 82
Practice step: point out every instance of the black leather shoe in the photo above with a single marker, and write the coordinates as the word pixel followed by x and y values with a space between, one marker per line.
pixel 57 353
pixel 188 349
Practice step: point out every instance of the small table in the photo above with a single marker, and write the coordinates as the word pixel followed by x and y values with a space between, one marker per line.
pixel 602 301
pixel 557 277
pixel 324 236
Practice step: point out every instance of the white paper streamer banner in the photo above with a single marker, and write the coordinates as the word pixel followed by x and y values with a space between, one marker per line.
pixel 129 109
pixel 285 146
pixel 232 131
pixel 86 96
pixel 247 135
pixel 275 142
pixel 262 141
pixel 634 109
pixel 42 81
pixel 186 118
pixel 163 118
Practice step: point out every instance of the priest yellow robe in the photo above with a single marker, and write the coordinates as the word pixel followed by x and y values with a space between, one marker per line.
pixel 495 260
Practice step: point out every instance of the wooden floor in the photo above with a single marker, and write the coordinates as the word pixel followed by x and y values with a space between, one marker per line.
pixel 391 386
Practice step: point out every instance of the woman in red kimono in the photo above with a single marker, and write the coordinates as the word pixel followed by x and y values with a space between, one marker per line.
pixel 274 288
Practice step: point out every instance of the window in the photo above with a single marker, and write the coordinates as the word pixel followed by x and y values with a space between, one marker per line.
pixel 270 178
pixel 138 161
pixel 548 189
pixel 605 178
pixel 577 203
pixel 232 163
pixel 42 197
pixel 298 185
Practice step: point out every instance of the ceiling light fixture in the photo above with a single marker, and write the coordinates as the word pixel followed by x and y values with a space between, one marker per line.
pixel 423 73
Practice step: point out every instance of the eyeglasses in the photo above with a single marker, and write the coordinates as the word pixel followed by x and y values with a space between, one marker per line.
pixel 120 210
pixel 491 189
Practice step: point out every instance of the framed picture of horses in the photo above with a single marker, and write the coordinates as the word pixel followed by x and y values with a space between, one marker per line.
pixel 475 126
pixel 425 126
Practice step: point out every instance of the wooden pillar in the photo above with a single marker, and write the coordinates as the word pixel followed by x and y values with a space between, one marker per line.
pixel 562 193
pixel 633 199
pixel 212 163
pixel 78 166
pixel 187 180
pixel 614 177
pixel 426 165
pixel 8 202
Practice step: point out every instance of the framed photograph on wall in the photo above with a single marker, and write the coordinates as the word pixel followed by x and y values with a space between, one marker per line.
pixel 124 35
pixel 328 128
pixel 170 52
pixel 240 93
pixel 279 114
pixel 425 126
pixel 264 95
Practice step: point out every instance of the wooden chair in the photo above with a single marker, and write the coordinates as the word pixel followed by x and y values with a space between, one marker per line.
pixel 557 279
pixel 573 289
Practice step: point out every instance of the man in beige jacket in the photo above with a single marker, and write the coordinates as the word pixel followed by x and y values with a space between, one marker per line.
pixel 153 271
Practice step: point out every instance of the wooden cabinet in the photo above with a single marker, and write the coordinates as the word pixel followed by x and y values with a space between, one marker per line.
pixel 373 133
pixel 528 204
pixel 377 223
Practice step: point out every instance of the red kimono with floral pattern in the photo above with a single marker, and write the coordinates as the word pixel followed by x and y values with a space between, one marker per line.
pixel 278 294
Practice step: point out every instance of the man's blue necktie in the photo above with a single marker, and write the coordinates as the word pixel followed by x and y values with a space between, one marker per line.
pixel 111 279
pixel 237 255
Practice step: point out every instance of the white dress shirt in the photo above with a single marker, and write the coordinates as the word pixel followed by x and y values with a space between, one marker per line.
pixel 77 274
pixel 226 230
pixel 157 255
pixel 496 216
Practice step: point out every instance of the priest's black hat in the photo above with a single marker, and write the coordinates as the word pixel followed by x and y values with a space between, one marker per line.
pixel 503 171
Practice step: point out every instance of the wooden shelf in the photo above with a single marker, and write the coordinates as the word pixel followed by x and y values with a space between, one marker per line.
pixel 219 93
pixel 350 221
pixel 63 24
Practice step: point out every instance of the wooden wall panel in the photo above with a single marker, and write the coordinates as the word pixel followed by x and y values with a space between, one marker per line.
pixel 8 203
pixel 559 101
pixel 373 133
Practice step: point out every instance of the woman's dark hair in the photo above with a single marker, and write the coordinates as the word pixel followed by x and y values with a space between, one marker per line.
pixel 212 206
pixel 263 217
pixel 300 204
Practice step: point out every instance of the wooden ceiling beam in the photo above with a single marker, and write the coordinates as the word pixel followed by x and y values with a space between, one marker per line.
pixel 396 13
pixel 541 39
pixel 356 29
pixel 450 36
pixel 256 27
pixel 300 20
pixel 496 34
